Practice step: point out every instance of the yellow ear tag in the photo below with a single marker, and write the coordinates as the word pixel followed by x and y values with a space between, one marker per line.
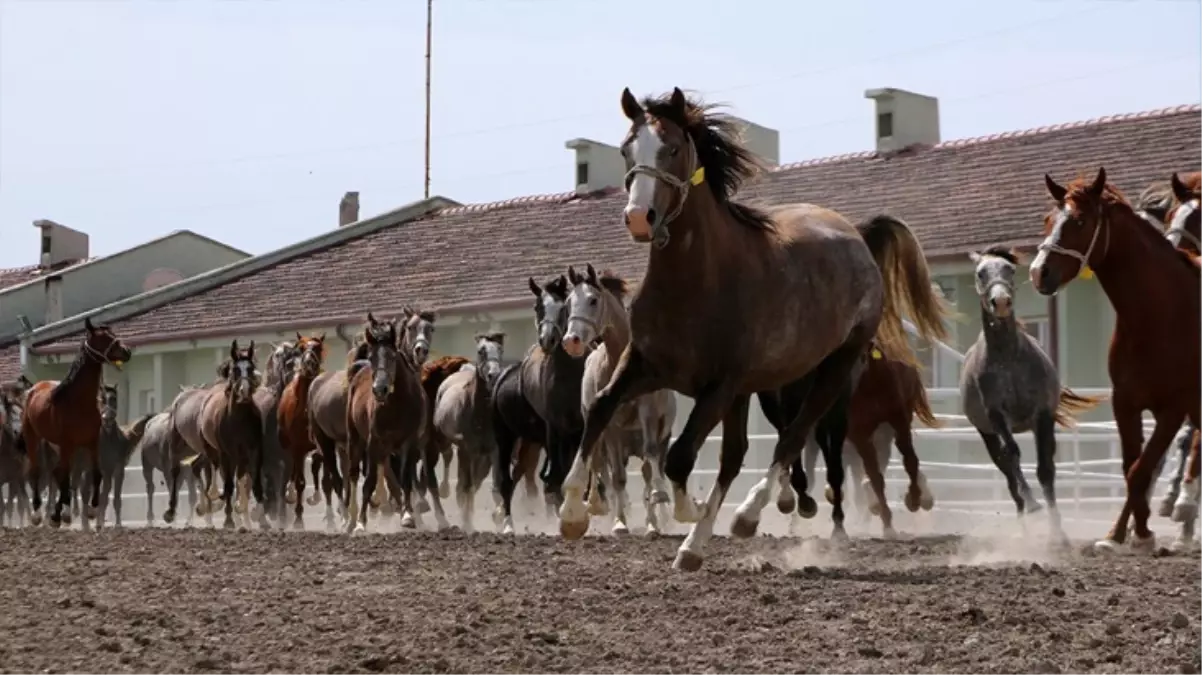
pixel 698 176
pixel 877 355
pixel 1086 273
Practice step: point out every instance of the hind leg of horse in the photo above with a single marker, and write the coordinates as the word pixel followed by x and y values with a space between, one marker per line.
pixel 502 477
pixel 1045 471
pixel 315 473
pixel 446 454
pixel 918 494
pixel 1139 477
pixel 805 466
pixel 1170 497
pixel 1007 464
pixel 655 447
pixel 630 379
pixel 148 479
pixel 33 445
pixel 1128 418
pixel 429 470
pixel 690 555
pixel 370 481
pixel 877 502
pixel 833 432
pixel 617 480
pixel 826 383
pixel 1001 427
pixel 1185 507
pixel 62 479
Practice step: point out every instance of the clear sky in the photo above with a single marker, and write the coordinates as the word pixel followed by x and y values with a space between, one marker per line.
pixel 246 120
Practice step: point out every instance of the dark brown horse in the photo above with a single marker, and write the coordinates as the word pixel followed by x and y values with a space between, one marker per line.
pixel 739 300
pixel 1154 359
pixel 232 428
pixel 64 414
pixel 292 414
pixel 386 415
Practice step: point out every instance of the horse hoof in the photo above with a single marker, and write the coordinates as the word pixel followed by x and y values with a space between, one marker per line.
pixel 1166 507
pixel 444 491
pixel 620 529
pixel 927 502
pixel 687 561
pixel 66 518
pixel 201 510
pixel 1182 545
pixel 408 522
pixel 786 502
pixel 298 524
pixel 498 515
pixel 35 519
pixel 1032 506
pixel 423 506
pixel 507 530
pixel 839 535
pixel 599 510
pixel 652 531
pixel 888 532
pixel 314 500
pixel 807 507
pixel 874 509
pixel 357 530
pixel 659 497
pixel 572 530
pixel 56 521
pixel 829 494
pixel 1184 512
pixel 1143 544
pixel 912 501
pixel 743 527
pixel 1107 546
pixel 229 524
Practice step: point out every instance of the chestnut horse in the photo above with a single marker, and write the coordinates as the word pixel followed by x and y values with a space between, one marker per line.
pixel 65 414
pixel 232 428
pixel 889 394
pixel 292 414
pixel 738 300
pixel 1154 354
pixel 386 416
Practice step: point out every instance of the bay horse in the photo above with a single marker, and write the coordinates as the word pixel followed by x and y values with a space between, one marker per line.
pixel 438 447
pixel 537 401
pixel 1008 386
pixel 292 415
pixel 385 416
pixel 596 311
pixel 65 415
pixel 462 414
pixel 739 300
pixel 887 398
pixel 1154 353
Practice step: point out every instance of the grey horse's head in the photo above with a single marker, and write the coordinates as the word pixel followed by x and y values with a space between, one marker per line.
pixel 281 363
pixel 418 333
pixel 240 373
pixel 383 347
pixel 593 305
pixel 490 350
pixel 996 267
pixel 108 405
pixel 550 311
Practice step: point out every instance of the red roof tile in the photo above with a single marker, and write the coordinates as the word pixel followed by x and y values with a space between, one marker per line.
pixel 959 195
pixel 17 275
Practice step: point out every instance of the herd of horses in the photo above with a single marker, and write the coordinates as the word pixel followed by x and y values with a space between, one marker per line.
pixel 792 304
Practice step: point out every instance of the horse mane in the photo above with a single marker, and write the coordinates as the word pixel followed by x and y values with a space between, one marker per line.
pixel 441 368
pixel 60 390
pixel 727 163
pixel 1156 200
pixel 615 284
pixel 1079 190
pixel 1009 255
pixel 497 336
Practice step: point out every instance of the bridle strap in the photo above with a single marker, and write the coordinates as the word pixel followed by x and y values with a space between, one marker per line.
pixel 659 232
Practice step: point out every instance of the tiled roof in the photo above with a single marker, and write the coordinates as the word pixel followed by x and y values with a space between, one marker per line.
pixel 958 195
pixel 17 275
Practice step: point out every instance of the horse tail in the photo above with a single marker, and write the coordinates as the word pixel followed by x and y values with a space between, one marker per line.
pixel 921 405
pixel 908 290
pixel 1071 403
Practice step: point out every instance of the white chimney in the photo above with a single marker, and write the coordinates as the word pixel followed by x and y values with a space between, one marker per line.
pixel 348 209
pixel 54 298
pixel 761 140
pixel 598 166
pixel 904 119
pixel 61 246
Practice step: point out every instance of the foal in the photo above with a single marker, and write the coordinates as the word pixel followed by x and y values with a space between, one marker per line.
pixel 1008 386
pixel 595 310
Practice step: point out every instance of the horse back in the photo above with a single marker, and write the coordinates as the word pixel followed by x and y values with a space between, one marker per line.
pixel 327 405
pixel 511 408
pixel 452 404
pixel 155 446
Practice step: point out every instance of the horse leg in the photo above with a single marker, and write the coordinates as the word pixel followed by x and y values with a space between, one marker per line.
pixel 1128 418
pixel 430 457
pixel 618 462
pixel 465 492
pixel 918 495
pixel 228 480
pixel 1185 508
pixel 690 555
pixel 62 478
pixel 1001 427
pixel 1006 463
pixel 630 379
pixel 601 474
pixel 370 482
pixel 1139 478
pixel 315 472
pixel 832 432
pixel 298 486
pixel 1045 471
pixel 148 479
pixel 97 477
pixel 799 473
pixel 33 450
pixel 824 385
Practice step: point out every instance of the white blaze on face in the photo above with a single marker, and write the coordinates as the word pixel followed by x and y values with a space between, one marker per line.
pixel 1053 238
pixel 1177 226
pixel 644 151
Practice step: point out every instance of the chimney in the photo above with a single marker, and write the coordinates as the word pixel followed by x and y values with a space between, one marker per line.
pixel 761 140
pixel 904 119
pixel 61 246
pixel 54 298
pixel 348 209
pixel 598 166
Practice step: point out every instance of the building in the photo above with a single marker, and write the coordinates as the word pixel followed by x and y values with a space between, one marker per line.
pixel 67 280
pixel 470 262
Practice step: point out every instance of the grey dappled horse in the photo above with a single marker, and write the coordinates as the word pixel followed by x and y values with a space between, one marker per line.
pixel 155 449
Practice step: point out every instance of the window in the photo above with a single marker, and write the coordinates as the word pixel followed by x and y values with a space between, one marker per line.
pixel 1039 328
pixel 884 125
pixel 582 173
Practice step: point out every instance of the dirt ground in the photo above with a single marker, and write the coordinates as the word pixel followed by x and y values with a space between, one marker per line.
pixel 202 600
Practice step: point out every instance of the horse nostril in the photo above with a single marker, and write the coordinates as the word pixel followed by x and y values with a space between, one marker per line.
pixel 651 217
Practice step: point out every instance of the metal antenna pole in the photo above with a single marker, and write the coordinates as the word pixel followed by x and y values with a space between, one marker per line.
pixel 429 36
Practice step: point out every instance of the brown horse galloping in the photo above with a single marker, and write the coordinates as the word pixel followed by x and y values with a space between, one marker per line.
pixel 292 414
pixel 737 300
pixel 64 414
pixel 1154 351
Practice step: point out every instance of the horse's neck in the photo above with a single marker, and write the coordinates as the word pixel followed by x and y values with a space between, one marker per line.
pixel 1136 293
pixel 302 383
pixel 87 379
pixel 703 247
pixel 616 333
pixel 1001 334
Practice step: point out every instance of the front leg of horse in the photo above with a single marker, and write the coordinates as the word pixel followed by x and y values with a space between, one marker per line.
pixel 106 484
pixel 630 379
pixel 1141 475
pixel 228 480
pixel 430 469
pixel 1185 508
pixel 1128 419
pixel 93 454
pixel 298 486
pixel 1045 471
pixel 62 478
pixel 315 470
pixel 1028 503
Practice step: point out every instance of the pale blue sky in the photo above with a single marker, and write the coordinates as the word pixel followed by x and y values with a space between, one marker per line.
pixel 246 120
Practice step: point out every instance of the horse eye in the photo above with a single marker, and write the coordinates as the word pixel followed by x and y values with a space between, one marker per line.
pixel 592 302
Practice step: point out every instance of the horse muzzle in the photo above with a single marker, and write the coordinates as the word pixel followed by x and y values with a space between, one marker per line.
pixel 421 352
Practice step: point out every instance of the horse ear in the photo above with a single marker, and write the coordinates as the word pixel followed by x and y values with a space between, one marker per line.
pixel 535 288
pixel 573 275
pixel 630 106
pixel 322 337
pixel 1058 191
pixel 234 349
pixel 974 257
pixel 1180 191
pixel 1099 183
pixel 87 323
pixel 371 319
pixel 223 370
pixel 25 381
pixel 298 337
pixel 592 275
pixel 251 349
pixel 679 102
